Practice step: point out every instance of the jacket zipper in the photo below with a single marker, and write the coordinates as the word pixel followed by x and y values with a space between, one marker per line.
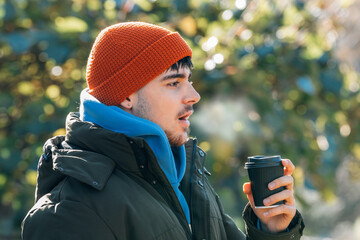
pixel 164 195
pixel 192 161
pixel 205 211
pixel 183 223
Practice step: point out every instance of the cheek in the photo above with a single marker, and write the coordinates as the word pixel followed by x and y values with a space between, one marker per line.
pixel 166 114
pixel 166 104
pixel 164 107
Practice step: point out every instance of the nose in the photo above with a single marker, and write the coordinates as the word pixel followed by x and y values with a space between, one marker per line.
pixel 192 95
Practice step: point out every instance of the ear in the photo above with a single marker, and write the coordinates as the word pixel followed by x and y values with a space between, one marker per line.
pixel 127 104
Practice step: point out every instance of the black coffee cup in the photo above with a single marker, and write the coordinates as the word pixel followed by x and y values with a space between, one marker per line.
pixel 262 170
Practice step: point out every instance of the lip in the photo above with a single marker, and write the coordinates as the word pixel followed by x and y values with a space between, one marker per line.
pixel 184 119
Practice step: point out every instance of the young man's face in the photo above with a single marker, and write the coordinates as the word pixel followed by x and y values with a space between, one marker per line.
pixel 167 101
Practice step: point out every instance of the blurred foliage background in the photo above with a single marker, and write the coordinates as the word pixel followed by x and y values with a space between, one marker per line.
pixel 276 77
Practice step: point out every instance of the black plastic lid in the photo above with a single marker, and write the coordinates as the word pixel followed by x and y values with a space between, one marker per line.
pixel 263 161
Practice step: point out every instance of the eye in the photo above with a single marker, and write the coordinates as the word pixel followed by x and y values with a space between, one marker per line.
pixel 174 84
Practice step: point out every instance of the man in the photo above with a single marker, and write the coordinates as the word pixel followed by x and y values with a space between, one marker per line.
pixel 126 168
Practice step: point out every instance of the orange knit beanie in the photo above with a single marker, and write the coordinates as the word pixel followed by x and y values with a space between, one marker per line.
pixel 126 56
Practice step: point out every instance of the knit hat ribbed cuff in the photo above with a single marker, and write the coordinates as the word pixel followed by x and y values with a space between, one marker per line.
pixel 154 60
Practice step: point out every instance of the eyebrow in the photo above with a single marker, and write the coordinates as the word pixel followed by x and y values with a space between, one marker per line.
pixel 175 75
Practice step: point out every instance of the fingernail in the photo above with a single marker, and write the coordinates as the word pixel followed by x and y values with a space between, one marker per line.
pixel 266 201
pixel 271 185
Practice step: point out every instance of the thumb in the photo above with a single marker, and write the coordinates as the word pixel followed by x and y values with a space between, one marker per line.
pixel 247 188
pixel 248 192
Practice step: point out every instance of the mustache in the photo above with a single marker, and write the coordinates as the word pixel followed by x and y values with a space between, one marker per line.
pixel 187 109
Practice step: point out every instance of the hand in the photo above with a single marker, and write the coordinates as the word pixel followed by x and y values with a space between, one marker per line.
pixel 276 219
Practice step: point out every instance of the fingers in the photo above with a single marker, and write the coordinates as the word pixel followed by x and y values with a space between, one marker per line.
pixel 289 167
pixel 286 195
pixel 282 209
pixel 284 181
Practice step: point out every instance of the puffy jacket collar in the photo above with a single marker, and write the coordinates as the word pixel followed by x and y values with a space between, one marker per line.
pixel 87 153
pixel 90 137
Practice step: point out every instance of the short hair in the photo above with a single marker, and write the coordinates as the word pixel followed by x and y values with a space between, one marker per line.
pixel 182 63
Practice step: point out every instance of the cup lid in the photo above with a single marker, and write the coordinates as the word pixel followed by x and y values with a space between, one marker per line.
pixel 263 161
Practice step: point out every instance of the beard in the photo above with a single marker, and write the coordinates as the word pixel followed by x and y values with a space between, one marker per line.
pixel 176 141
pixel 143 110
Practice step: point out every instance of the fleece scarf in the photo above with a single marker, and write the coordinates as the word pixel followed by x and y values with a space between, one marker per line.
pixel 172 160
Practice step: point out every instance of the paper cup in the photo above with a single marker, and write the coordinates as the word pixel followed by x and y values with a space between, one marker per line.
pixel 262 170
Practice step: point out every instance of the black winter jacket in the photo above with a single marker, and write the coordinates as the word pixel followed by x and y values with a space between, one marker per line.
pixel 97 184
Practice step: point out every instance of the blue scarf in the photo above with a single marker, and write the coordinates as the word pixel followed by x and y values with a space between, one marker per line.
pixel 172 160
